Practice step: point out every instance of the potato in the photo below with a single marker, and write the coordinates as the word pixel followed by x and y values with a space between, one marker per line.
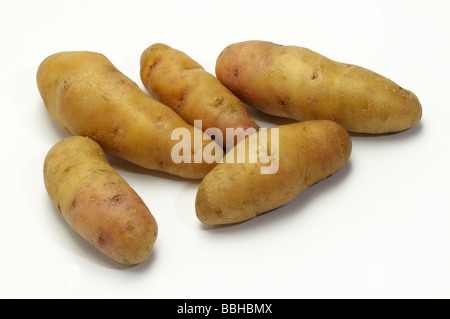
pixel 178 81
pixel 298 83
pixel 97 202
pixel 300 154
pixel 87 95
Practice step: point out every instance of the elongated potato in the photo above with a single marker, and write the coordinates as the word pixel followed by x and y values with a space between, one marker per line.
pixel 298 83
pixel 178 81
pixel 297 156
pixel 87 95
pixel 97 202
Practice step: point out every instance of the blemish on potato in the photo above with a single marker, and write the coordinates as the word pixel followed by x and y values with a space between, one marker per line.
pixel 216 101
pixel 130 227
pixel 67 169
pixel 114 131
pixel 284 101
pixel 153 65
pixel 74 203
pixel 101 240
pixel 117 199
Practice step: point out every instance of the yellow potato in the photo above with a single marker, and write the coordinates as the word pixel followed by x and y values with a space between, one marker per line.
pixel 300 154
pixel 178 81
pixel 298 83
pixel 87 95
pixel 97 202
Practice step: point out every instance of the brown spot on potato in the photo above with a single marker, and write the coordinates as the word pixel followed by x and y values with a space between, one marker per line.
pixel 101 240
pixel 68 168
pixel 284 101
pixel 117 199
pixel 114 131
pixel 181 100
pixel 74 203
pixel 130 227
pixel 217 101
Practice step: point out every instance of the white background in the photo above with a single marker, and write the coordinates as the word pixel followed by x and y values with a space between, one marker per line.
pixel 379 228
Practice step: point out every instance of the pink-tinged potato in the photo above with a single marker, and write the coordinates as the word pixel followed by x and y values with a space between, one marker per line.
pixel 176 80
pixel 290 158
pixel 298 83
pixel 97 202
pixel 86 95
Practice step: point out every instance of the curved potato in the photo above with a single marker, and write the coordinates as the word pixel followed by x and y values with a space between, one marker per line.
pixel 97 202
pixel 298 83
pixel 178 81
pixel 301 153
pixel 87 95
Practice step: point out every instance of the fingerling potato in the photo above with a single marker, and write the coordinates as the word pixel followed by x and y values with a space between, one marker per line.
pixel 87 95
pixel 298 83
pixel 97 202
pixel 176 80
pixel 295 156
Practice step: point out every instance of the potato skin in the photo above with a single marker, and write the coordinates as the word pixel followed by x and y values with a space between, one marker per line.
pixel 87 95
pixel 307 153
pixel 298 83
pixel 178 81
pixel 97 202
